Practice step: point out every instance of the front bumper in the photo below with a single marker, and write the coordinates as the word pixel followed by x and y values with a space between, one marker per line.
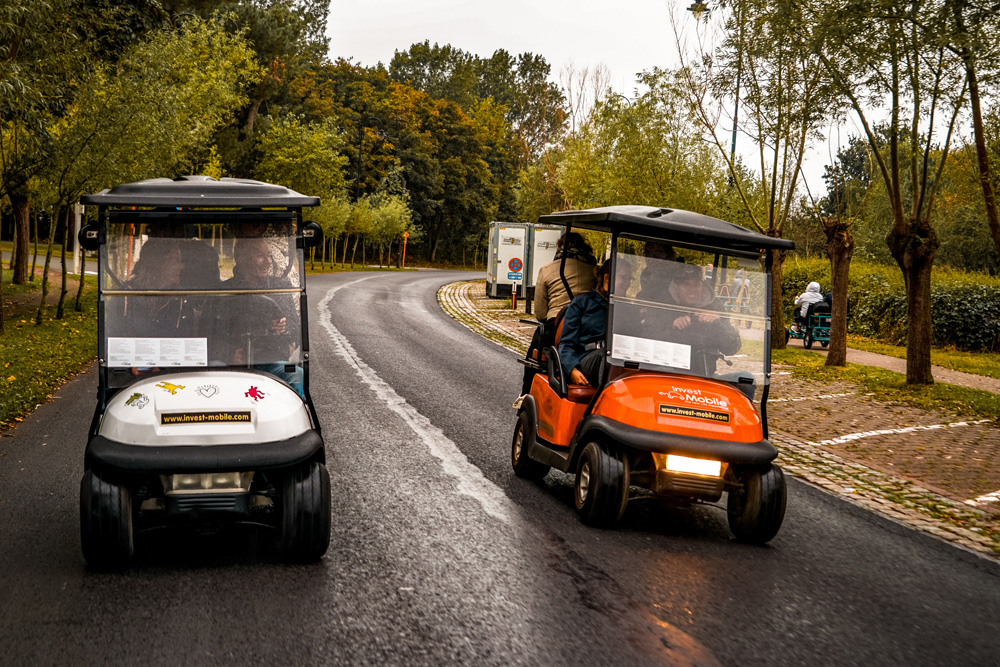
pixel 105 454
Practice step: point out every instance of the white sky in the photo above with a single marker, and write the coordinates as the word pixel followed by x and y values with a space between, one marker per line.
pixel 627 36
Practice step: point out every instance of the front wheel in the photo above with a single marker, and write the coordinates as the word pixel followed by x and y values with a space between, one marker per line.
pixel 305 516
pixel 602 482
pixel 757 509
pixel 106 532
pixel 524 466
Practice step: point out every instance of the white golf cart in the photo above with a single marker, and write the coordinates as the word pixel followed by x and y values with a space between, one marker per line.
pixel 203 409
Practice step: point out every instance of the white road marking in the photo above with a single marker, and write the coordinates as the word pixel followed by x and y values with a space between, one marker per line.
pixel 808 398
pixel 988 498
pixel 893 431
pixel 470 479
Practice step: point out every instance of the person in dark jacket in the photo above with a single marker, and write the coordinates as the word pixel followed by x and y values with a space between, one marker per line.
pixel 581 342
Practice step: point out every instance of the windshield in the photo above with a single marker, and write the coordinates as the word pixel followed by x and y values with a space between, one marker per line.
pixel 219 294
pixel 699 313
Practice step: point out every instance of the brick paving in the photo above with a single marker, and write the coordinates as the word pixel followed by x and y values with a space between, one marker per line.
pixel 932 471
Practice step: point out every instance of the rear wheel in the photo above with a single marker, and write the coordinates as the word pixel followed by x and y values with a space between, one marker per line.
pixel 788 335
pixel 305 516
pixel 807 342
pixel 525 466
pixel 106 532
pixel 757 510
pixel 602 482
pixel 824 343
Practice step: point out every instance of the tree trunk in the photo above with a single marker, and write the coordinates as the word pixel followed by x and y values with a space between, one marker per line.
pixel 45 275
pixel 777 307
pixel 343 255
pixel 354 250
pixel 840 247
pixel 78 306
pixel 34 255
pixel 252 116
pixel 362 253
pixel 914 252
pixel 64 217
pixel 22 225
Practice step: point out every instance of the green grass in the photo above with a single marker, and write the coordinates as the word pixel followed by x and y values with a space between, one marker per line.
pixel 978 363
pixel 34 360
pixel 884 385
pixel 337 268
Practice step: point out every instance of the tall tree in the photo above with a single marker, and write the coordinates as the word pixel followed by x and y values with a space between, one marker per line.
pixel 889 51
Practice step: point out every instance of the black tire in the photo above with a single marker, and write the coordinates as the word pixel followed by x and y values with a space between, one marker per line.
pixel 106 530
pixel 757 510
pixel 524 466
pixel 807 342
pixel 305 515
pixel 602 482
pixel 788 335
pixel 824 343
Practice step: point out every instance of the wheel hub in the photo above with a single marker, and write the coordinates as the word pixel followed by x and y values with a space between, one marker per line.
pixel 583 483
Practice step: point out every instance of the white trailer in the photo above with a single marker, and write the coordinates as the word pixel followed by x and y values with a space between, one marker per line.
pixel 508 260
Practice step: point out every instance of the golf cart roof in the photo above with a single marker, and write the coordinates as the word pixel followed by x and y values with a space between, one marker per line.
pixel 669 225
pixel 200 192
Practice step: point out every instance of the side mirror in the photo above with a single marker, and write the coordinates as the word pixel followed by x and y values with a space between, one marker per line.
pixel 312 235
pixel 89 237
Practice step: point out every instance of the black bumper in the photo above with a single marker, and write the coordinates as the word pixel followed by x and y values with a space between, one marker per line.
pixel 106 454
pixel 739 453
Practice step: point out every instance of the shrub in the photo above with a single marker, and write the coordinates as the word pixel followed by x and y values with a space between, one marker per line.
pixel 965 307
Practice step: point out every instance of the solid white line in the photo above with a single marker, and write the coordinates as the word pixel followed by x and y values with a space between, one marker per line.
pixel 893 431
pixel 470 479
pixel 988 498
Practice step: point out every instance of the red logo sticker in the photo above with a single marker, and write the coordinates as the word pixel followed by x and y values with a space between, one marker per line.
pixel 255 393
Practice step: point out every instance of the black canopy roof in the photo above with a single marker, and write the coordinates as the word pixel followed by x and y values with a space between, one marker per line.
pixel 200 192
pixel 670 225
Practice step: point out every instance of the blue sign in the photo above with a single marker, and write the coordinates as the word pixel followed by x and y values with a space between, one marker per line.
pixel 514 276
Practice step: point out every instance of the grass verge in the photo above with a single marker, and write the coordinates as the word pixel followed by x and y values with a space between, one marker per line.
pixel 34 360
pixel 884 385
pixel 978 363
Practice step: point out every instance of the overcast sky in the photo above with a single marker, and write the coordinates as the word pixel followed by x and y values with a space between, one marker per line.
pixel 626 36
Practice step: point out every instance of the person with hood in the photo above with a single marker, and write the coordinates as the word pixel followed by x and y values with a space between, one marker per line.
pixel 551 292
pixel 802 302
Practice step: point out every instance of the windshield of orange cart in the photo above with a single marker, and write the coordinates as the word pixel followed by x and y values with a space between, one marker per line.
pixel 190 295
pixel 691 312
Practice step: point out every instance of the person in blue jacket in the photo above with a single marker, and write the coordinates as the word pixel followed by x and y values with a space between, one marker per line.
pixel 581 344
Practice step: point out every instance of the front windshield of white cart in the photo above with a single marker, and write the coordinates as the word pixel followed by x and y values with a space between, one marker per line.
pixel 693 312
pixel 190 291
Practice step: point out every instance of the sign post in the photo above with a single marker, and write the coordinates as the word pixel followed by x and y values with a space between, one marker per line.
pixel 406 235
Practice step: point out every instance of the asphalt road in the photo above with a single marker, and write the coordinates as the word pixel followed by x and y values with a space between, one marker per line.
pixel 441 556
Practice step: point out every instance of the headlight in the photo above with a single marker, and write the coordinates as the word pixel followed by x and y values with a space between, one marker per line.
pixel 693 466
pixel 208 482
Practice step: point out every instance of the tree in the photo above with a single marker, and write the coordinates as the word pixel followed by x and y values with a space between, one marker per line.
pixel 763 65
pixel 891 51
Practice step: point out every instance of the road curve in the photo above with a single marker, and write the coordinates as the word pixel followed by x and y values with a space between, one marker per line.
pixel 441 556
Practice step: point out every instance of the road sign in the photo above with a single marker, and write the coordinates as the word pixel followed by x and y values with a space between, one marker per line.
pixel 514 264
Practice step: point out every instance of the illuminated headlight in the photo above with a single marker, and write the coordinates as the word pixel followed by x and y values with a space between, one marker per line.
pixel 208 482
pixel 693 466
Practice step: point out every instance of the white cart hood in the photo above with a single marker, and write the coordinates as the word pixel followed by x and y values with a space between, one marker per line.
pixel 213 408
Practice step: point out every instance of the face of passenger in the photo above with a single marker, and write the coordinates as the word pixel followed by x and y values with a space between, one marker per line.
pixel 689 290
pixel 172 267
pixel 256 258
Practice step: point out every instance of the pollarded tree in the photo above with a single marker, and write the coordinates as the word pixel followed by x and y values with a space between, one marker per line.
pixel 885 57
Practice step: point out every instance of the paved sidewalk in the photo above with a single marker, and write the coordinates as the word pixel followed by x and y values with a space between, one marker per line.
pixel 867 474
pixel 896 365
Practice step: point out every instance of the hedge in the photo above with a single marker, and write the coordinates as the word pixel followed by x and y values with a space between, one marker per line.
pixel 965 307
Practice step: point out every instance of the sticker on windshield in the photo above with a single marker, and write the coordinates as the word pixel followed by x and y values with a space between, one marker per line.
pixel 649 351
pixel 158 352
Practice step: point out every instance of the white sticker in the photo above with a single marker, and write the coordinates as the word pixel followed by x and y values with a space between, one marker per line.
pixel 650 351
pixel 160 352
